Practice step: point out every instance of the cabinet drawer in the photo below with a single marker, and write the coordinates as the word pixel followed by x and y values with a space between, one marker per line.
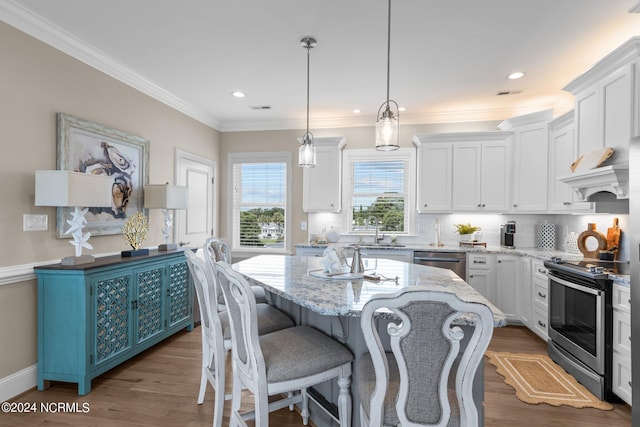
pixel 622 333
pixel 621 298
pixel 541 291
pixel 480 261
pixel 539 270
pixel 621 381
pixel 539 324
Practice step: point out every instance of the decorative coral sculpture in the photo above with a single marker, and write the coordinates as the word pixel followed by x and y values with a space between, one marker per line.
pixel 135 230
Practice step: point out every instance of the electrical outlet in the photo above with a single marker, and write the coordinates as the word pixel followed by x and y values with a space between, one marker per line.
pixel 35 222
pixel 303 225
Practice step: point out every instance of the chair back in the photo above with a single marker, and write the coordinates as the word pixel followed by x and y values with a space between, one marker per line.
pixel 216 250
pixel 426 344
pixel 241 306
pixel 205 284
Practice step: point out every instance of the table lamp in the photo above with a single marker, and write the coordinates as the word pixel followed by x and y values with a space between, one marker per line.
pixel 166 197
pixel 77 190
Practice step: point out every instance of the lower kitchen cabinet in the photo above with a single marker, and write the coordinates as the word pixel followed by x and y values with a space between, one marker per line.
pixel 481 274
pixel 621 383
pixel 92 317
pixel 508 286
pixel 526 305
pixel 540 299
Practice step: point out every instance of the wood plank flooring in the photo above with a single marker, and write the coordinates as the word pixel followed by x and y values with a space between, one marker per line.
pixel 160 388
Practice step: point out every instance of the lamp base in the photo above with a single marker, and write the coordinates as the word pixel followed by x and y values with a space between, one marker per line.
pixel 167 247
pixel 76 260
pixel 135 252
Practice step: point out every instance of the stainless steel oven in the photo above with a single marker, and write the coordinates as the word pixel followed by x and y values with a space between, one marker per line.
pixel 580 323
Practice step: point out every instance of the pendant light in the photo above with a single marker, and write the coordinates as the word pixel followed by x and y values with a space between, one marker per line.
pixel 388 122
pixel 307 150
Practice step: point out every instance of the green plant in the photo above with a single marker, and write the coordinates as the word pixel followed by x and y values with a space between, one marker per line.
pixel 466 228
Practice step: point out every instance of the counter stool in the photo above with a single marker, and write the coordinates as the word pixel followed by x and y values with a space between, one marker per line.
pixel 425 380
pixel 287 360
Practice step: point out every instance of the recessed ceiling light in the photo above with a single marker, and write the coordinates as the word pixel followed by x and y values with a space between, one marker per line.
pixel 238 94
pixel 356 111
pixel 515 76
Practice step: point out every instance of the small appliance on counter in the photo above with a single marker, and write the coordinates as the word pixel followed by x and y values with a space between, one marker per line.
pixel 508 234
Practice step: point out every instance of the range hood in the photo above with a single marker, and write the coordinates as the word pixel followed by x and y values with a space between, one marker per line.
pixel 612 179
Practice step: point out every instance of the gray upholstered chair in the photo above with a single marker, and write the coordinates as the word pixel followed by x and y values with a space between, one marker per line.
pixel 218 250
pixel 287 360
pixel 425 380
pixel 216 334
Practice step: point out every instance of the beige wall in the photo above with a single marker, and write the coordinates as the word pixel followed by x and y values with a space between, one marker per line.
pixel 36 82
pixel 287 140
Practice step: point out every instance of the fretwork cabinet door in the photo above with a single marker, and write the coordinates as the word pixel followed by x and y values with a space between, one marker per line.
pixel 149 303
pixel 179 293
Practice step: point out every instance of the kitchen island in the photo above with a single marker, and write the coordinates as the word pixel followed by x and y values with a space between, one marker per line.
pixel 333 305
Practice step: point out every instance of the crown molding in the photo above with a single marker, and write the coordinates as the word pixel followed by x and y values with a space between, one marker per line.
pixel 30 23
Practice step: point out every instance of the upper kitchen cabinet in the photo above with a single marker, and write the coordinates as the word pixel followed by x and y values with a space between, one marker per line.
pixel 434 173
pixel 563 151
pixel 607 101
pixel 530 160
pixel 322 184
pixel 481 172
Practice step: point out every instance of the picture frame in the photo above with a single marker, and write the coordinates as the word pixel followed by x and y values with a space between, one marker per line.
pixel 89 147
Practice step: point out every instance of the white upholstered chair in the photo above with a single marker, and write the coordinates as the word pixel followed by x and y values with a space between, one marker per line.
pixel 424 380
pixel 216 334
pixel 218 250
pixel 280 362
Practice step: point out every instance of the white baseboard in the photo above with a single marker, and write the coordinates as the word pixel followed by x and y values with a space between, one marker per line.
pixel 18 382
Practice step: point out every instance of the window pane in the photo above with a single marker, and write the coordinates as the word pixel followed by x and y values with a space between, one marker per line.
pixel 379 191
pixel 259 204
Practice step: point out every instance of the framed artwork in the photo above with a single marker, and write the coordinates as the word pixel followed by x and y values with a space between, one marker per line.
pixel 84 146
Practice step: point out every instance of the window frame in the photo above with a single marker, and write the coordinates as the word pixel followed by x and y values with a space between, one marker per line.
pixel 260 157
pixel 407 155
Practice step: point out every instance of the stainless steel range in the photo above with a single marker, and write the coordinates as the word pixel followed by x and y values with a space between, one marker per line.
pixel 580 320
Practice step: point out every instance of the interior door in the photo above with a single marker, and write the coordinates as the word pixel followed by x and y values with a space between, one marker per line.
pixel 195 224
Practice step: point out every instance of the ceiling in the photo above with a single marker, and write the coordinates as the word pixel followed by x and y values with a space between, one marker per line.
pixel 449 58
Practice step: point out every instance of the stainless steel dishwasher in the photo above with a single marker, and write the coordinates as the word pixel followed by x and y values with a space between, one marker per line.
pixel 454 261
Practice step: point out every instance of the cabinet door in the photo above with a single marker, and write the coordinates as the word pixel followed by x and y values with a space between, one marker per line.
pixel 526 304
pixel 531 169
pixel 149 307
pixel 434 177
pixel 179 293
pixel 482 281
pixel 507 286
pixel 112 305
pixel 617 112
pixel 467 164
pixel 495 176
pixel 587 121
pixel 563 154
pixel 322 184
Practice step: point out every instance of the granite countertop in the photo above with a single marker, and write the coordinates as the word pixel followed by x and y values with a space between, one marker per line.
pixel 288 277
pixel 541 254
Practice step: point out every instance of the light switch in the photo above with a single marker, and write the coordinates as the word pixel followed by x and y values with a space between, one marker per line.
pixel 303 225
pixel 35 222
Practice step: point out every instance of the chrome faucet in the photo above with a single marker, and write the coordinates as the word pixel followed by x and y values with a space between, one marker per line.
pixel 376 239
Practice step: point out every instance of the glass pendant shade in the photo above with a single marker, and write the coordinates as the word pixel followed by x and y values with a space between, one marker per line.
pixel 307 152
pixel 387 129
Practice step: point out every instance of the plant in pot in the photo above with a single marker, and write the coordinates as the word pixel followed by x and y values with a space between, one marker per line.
pixel 466 231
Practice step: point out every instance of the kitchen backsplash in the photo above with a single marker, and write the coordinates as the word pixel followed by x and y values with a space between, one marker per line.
pixel 490 223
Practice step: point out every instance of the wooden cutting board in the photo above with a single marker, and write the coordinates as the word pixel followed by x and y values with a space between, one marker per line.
pixel 613 238
pixel 591 160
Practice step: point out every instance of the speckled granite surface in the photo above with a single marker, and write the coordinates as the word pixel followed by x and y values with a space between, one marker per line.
pixel 288 277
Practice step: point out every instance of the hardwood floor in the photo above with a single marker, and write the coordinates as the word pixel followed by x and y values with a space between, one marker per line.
pixel 160 387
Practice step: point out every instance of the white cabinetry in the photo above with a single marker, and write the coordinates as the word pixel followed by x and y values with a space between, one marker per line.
pixel 526 280
pixel 481 274
pixel 607 102
pixel 540 298
pixel 621 383
pixel 508 286
pixel 322 184
pixel 434 174
pixel 481 172
pixel 530 160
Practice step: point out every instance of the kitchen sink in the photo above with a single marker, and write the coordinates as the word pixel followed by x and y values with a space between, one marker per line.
pixel 377 245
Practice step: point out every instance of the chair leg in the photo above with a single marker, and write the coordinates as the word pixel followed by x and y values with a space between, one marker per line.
pixel 203 386
pixel 291 407
pixel 262 410
pixel 344 398
pixel 219 404
pixel 305 407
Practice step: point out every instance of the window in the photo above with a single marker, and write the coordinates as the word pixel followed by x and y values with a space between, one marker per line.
pixel 259 200
pixel 378 191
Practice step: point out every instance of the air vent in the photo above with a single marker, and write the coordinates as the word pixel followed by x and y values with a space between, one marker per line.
pixel 509 92
pixel 260 107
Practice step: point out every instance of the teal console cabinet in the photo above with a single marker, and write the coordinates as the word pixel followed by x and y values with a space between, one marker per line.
pixel 92 317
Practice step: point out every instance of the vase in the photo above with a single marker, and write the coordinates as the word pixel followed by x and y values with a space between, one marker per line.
pixel 466 238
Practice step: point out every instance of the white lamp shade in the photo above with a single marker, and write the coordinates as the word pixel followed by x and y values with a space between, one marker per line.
pixel 166 196
pixel 73 189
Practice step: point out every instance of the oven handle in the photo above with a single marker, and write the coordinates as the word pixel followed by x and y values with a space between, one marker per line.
pixel 573 285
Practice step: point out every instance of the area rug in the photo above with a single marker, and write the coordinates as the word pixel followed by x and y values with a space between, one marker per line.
pixel 538 379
